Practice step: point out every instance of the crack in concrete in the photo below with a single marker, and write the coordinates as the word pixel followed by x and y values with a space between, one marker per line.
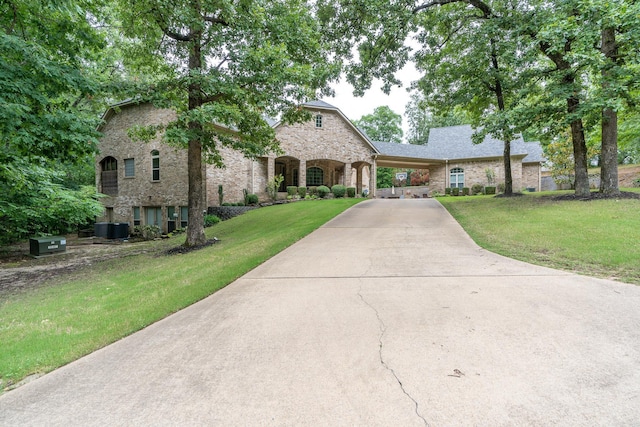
pixel 383 329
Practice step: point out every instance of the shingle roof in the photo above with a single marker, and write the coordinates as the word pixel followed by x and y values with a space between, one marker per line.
pixel 320 104
pixel 454 142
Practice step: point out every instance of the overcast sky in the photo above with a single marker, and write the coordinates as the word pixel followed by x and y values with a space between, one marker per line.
pixel 354 108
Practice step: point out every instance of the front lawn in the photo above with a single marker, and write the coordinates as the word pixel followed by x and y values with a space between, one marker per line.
pixel 48 327
pixel 598 237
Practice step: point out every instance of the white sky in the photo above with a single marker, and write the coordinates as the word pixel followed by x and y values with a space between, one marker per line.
pixel 354 108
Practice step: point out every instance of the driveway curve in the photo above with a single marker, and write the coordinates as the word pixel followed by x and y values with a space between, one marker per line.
pixel 387 315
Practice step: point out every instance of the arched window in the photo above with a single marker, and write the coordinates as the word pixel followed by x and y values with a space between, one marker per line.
pixel 109 176
pixel 456 178
pixel 155 165
pixel 315 176
pixel 319 120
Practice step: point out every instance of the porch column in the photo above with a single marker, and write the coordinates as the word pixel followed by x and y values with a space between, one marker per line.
pixel 302 174
pixel 372 178
pixel 346 176
pixel 271 169
pixel 359 179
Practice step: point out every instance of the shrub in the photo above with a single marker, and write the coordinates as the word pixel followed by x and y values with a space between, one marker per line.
pixel 292 190
pixel 465 191
pixel 455 191
pixel 351 192
pixel 476 189
pixel 302 192
pixel 227 204
pixel 447 191
pixel 220 195
pixel 273 186
pixel 489 190
pixel 147 232
pixel 210 220
pixel 339 190
pixel 323 190
pixel 313 191
pixel 252 199
pixel 501 187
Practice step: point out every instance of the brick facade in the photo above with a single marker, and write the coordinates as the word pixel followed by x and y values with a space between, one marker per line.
pixel 326 150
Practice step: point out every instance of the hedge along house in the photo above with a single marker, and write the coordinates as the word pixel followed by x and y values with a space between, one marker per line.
pixel 146 183
pixel 453 160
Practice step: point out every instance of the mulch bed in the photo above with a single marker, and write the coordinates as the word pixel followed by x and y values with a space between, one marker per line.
pixel 598 196
pixel 186 249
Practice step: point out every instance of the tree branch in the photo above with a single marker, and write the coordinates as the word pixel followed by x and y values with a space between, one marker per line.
pixel 214 20
pixel 435 3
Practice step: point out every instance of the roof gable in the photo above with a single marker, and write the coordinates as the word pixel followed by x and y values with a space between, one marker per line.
pixel 455 143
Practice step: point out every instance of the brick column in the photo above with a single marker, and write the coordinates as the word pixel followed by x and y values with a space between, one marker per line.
pixel 271 169
pixel 302 174
pixel 347 175
pixel 359 179
pixel 372 179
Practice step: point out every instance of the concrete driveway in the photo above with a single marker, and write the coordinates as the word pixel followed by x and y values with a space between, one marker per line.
pixel 388 315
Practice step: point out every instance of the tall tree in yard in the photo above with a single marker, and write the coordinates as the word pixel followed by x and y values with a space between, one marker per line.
pixel 223 66
pixel 383 125
pixel 466 53
pixel 51 69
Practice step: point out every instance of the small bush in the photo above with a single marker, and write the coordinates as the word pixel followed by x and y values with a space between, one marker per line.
pixel 339 190
pixel 147 232
pixel 455 191
pixel 323 190
pixel 252 199
pixel 302 192
pixel 465 191
pixel 210 220
pixel 476 189
pixel 292 190
pixel 227 204
pixel 501 187
pixel 447 191
pixel 351 192
pixel 489 190
pixel 313 191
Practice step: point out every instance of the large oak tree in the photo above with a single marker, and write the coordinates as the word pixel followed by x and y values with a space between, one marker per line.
pixel 223 66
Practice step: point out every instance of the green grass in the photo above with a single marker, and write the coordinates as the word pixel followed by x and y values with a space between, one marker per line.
pixel 599 238
pixel 49 327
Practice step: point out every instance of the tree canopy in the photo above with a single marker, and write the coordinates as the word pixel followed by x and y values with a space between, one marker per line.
pixel 224 66
pixel 382 125
pixel 534 66
pixel 50 91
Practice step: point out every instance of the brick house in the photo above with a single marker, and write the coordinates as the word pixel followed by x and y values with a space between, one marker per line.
pixel 453 160
pixel 146 183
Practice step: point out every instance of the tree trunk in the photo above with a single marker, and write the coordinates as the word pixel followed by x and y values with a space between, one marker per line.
pixel 579 152
pixel 195 228
pixel 508 176
pixel 609 151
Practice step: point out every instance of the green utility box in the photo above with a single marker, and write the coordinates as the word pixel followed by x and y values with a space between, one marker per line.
pixel 47 245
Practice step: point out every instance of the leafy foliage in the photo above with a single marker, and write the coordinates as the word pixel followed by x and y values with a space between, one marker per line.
pixel 34 201
pixel 338 190
pixel 383 125
pixel 224 66
pixel 384 177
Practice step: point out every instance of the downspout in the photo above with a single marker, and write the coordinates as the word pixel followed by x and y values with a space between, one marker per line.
pixel 446 173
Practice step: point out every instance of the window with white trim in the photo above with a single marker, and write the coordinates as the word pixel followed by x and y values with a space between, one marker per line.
pixel 155 165
pixel 319 120
pixel 456 178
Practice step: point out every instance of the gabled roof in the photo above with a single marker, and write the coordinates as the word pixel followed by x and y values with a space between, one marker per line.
pixel 321 105
pixel 455 143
